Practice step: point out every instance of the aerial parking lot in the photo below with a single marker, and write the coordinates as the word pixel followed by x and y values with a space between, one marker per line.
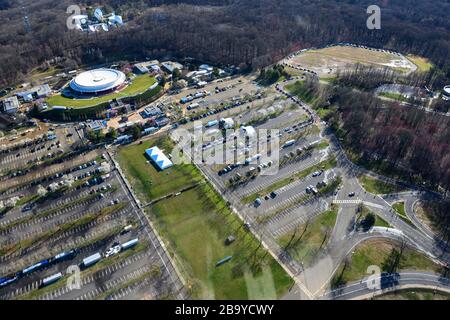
pixel 80 217
pixel 38 149
pixel 137 230
pixel 266 202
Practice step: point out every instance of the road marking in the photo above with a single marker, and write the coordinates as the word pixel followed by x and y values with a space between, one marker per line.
pixel 358 201
pixel 371 204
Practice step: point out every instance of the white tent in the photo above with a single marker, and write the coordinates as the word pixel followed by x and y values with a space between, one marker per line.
pixel 159 158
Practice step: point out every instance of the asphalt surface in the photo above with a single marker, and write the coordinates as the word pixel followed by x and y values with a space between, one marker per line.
pixel 312 282
pixel 131 277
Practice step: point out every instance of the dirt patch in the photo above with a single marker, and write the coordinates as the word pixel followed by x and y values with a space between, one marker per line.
pixel 328 61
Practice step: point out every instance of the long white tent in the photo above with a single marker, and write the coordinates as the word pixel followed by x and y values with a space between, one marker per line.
pixel 159 158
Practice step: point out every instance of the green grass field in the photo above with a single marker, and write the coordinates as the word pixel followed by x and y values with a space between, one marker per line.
pixel 423 64
pixel 399 208
pixel 376 186
pixel 394 96
pixel 195 224
pixel 378 252
pixel 305 242
pixel 148 182
pixel 139 85
pixel 313 98
pixel 298 88
pixel 379 222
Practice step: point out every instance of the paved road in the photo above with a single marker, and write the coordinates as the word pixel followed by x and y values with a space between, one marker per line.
pixel 343 237
pixel 362 289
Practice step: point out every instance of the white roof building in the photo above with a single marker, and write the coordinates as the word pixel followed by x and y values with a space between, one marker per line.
pixel 205 67
pixel 226 123
pixel 98 81
pixel 159 158
pixel 170 66
pixel 10 105
pixel 248 131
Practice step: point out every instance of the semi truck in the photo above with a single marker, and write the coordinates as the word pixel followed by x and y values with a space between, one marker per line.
pixel 65 256
pixel 37 266
pixel 211 123
pixel 91 260
pixel 252 159
pixel 288 143
pixel 129 244
pixel 52 279
pixel 193 106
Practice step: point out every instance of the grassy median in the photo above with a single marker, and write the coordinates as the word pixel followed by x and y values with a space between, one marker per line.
pixel 388 255
pixel 376 186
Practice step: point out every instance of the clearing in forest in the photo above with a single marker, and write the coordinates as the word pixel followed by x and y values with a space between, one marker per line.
pixel 327 61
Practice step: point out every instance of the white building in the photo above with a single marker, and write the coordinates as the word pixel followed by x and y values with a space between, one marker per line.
pixel 38 92
pixel 206 67
pixel 170 66
pixel 248 131
pixel 226 123
pixel 10 105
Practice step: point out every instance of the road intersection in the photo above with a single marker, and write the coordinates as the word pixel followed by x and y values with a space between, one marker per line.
pixel 313 282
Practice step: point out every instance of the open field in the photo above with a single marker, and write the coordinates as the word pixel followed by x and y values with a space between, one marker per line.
pixel 394 96
pixel 305 242
pixel 297 88
pixel 423 64
pixel 195 225
pixel 148 182
pixel 139 85
pixel 376 186
pixel 328 60
pixel 381 253
pixel 300 90
pixel 36 74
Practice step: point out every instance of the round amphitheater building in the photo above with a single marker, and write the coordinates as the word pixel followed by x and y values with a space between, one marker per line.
pixel 98 82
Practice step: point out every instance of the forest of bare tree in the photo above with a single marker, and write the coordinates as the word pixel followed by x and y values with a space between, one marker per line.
pixel 241 32
pixel 406 142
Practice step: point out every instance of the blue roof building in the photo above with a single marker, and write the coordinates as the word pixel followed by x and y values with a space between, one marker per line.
pixel 159 158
